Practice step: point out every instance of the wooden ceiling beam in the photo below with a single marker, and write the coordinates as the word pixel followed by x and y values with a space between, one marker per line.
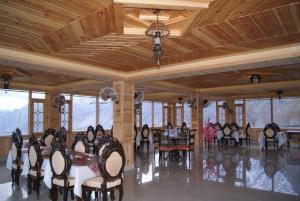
pixel 34 61
pixel 169 87
pixel 170 4
pixel 34 87
pixel 252 88
pixel 141 31
pixel 75 86
pixel 241 61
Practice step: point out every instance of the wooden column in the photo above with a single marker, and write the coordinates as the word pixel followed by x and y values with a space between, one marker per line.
pixel 52 112
pixel 229 113
pixel 197 123
pixel 123 119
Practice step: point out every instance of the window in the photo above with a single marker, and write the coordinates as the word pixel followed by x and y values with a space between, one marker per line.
pixel 258 112
pixel 13 111
pixel 38 95
pixel 84 112
pixel 187 114
pixel 38 116
pixel 147 113
pixel 286 112
pixel 239 115
pixel 158 114
pixel 178 116
pixel 209 113
pixel 166 115
pixel 64 116
pixel 106 114
pixel 137 120
pixel 221 115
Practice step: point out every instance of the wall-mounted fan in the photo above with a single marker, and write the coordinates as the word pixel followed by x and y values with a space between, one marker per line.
pixel 138 97
pixel 109 93
pixel 205 103
pixel 59 101
pixel 192 102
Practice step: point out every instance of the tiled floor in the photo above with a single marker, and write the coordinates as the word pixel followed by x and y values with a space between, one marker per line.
pixel 216 174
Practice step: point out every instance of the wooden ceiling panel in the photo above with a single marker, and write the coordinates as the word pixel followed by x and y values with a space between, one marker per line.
pixel 234 78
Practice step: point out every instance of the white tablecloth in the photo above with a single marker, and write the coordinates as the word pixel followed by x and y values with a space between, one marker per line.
pixel 80 173
pixel 236 135
pixel 280 137
pixel 25 159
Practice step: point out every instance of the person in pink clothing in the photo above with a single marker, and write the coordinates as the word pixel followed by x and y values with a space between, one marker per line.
pixel 209 133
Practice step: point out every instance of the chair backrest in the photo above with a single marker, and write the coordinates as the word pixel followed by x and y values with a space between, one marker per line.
pixel 275 126
pixel 112 162
pixel 248 129
pixel 60 162
pixel 48 137
pixel 191 139
pixel 80 143
pixel 145 132
pixel 100 131
pixel 156 135
pixel 19 136
pixel 63 134
pixel 16 151
pixel 135 132
pixel 217 126
pixel 227 130
pixel 269 131
pixel 112 131
pixel 34 154
pixel 234 126
pixel 169 125
pixel 90 134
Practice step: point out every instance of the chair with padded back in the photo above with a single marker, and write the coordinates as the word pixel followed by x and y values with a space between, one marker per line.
pixel 19 136
pixel 218 127
pixel 47 137
pixel 35 163
pixel 189 147
pixel 17 164
pixel 80 143
pixel 60 163
pixel 100 131
pixel 227 132
pixel 111 167
pixel 270 132
pixel 145 136
pixel 165 146
pixel 246 136
pixel 91 137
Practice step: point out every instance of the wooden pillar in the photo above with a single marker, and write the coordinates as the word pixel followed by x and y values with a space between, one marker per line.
pixel 229 113
pixel 123 119
pixel 52 112
pixel 197 123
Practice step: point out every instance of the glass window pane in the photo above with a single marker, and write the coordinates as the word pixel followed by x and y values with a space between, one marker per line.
pixel 84 112
pixel 286 112
pixel 64 116
pixel 258 112
pixel 147 113
pixel 209 113
pixel 239 115
pixel 222 113
pixel 187 115
pixel 178 116
pixel 13 111
pixel 38 95
pixel 158 114
pixel 166 116
pixel 106 113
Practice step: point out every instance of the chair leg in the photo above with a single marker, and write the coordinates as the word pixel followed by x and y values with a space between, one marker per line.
pixel 17 178
pixel 29 184
pixel 37 187
pixel 112 194
pixel 121 193
pixel 65 193
pixel 104 193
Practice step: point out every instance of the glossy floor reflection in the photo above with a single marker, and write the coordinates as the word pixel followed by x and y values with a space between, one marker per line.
pixel 215 174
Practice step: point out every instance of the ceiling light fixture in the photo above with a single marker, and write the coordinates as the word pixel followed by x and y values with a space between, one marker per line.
pixel 157 30
pixel 255 79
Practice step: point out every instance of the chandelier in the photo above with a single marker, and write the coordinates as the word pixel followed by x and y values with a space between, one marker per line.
pixel 157 30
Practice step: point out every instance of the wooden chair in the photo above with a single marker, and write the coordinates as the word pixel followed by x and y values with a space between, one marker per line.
pixel 111 166
pixel 17 164
pixel 60 166
pixel 18 135
pixel 270 135
pixel 218 127
pixel 247 133
pixel 63 134
pixel 80 143
pixel 48 136
pixel 190 146
pixel 91 137
pixel 35 162
pixel 156 136
pixel 227 131
pixel 100 131
pixel 145 136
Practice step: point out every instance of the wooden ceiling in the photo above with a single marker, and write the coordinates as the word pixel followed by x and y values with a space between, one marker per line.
pixel 111 36
pixel 235 78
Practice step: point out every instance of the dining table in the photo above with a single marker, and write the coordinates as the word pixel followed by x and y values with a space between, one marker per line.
pixel 290 134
